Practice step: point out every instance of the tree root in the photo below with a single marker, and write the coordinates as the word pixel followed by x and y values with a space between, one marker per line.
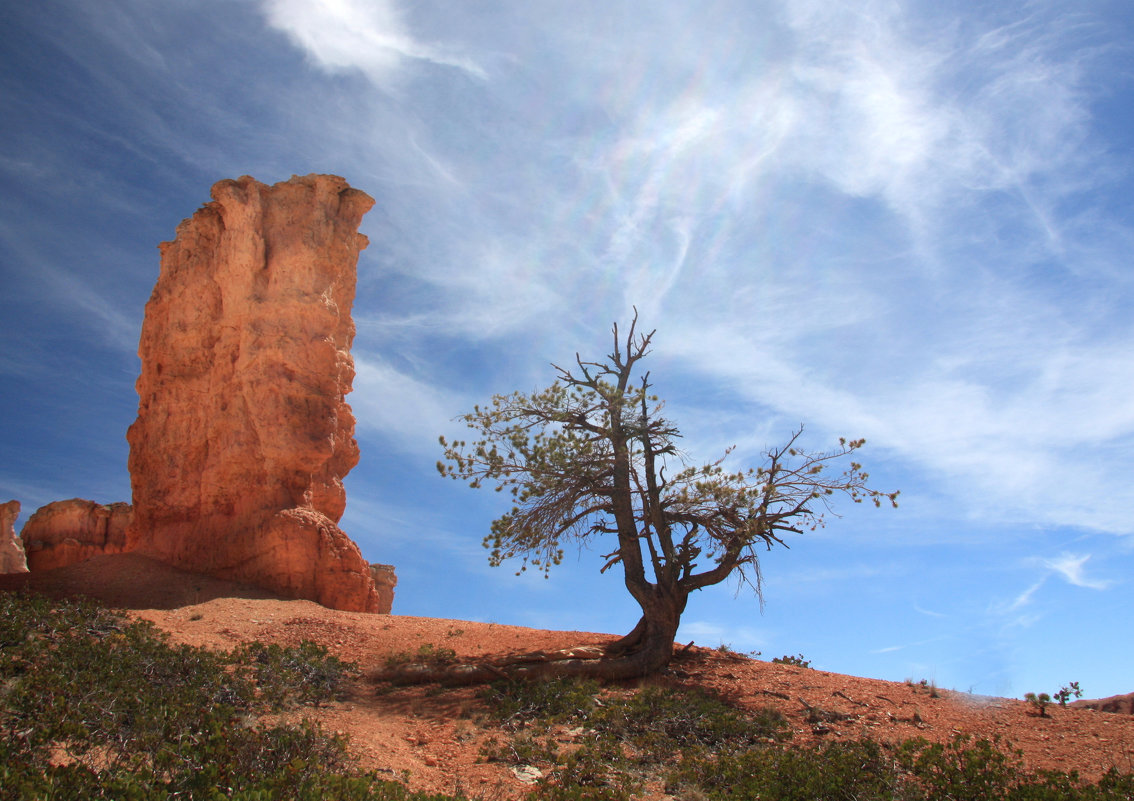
pixel 584 662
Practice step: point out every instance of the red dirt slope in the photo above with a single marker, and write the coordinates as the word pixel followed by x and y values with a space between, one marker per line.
pixel 428 737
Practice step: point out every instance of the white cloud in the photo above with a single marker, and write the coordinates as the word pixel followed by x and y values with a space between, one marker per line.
pixel 1024 598
pixel 924 114
pixel 930 612
pixel 867 90
pixel 405 409
pixel 970 133
pixel 1009 406
pixel 116 327
pixel 367 35
pixel 1070 567
pixel 801 579
pixel 1067 565
pixel 401 528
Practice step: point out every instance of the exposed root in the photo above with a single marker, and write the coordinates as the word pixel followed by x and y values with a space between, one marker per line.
pixel 584 661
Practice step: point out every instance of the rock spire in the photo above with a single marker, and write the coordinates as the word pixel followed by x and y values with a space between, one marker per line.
pixel 243 434
pixel 12 558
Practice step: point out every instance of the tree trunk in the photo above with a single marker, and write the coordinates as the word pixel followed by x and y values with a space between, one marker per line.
pixel 646 650
pixel 631 641
pixel 651 641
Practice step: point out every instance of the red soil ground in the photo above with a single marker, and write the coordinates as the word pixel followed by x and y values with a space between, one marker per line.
pixel 431 739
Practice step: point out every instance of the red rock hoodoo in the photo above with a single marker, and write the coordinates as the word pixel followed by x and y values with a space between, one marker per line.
pixel 243 433
pixel 64 532
pixel 12 558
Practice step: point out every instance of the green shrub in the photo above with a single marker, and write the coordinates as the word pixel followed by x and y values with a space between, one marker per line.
pixel 519 703
pixel 1065 693
pixel 558 792
pixel 1038 702
pixel 303 674
pixel 521 749
pixel 598 766
pixel 968 769
pixel 137 717
pixel 855 770
pixel 797 661
pixel 622 739
pixel 1115 785
pixel 426 654
pixel 964 769
pixel 81 680
pixel 661 722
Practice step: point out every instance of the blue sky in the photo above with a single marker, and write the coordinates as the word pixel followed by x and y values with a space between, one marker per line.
pixel 909 222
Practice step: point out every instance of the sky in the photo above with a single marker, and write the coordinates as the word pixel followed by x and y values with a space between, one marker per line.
pixel 910 222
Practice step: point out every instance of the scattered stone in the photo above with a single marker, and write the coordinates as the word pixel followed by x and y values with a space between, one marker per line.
pixel 528 774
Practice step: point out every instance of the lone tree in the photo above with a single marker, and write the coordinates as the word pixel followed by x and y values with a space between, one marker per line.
pixel 591 457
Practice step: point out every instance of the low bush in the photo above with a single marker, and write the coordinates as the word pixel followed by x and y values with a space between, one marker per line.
pixel 661 722
pixel 518 704
pixel 426 654
pixel 621 739
pixel 796 661
pixel 855 770
pixel 95 706
pixel 1039 702
pixel 699 747
pixel 302 674
pixel 964 769
pixel 1068 691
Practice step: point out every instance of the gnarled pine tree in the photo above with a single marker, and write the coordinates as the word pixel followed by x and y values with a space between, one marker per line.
pixel 587 458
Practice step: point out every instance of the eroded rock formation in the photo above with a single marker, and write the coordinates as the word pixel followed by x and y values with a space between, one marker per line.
pixel 65 532
pixel 1118 704
pixel 12 559
pixel 243 433
pixel 385 580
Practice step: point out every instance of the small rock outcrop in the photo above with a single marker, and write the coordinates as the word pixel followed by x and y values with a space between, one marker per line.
pixel 243 434
pixel 65 532
pixel 12 559
pixel 1117 704
pixel 385 580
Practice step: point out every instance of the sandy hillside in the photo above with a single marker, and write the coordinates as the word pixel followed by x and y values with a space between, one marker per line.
pixel 431 737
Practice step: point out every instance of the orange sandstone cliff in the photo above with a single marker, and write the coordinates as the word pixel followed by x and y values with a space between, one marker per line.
pixel 243 434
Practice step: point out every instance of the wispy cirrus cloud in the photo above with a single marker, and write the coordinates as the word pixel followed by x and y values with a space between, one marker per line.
pixel 1068 566
pixel 890 649
pixel 1023 599
pixel 102 314
pixel 1071 567
pixel 371 36
pixel 403 408
pixel 930 612
pixel 870 219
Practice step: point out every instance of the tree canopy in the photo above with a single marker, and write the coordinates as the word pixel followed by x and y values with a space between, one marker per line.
pixel 592 457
